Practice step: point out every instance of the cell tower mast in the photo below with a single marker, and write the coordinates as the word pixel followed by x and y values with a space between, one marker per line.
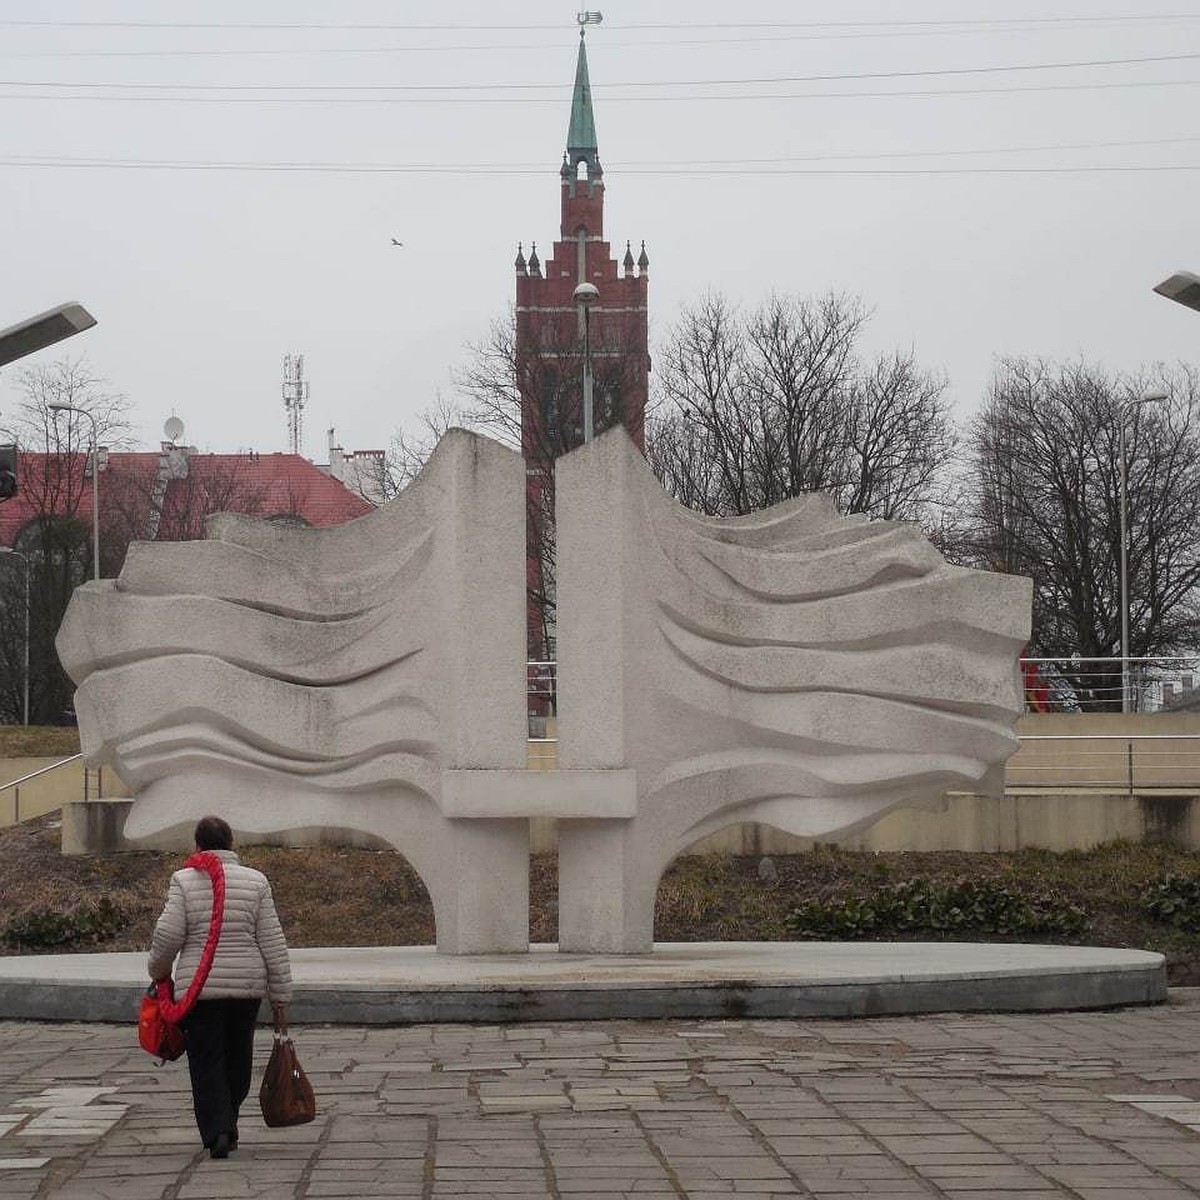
pixel 295 396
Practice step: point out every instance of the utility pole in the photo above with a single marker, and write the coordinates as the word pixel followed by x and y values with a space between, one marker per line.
pixel 295 397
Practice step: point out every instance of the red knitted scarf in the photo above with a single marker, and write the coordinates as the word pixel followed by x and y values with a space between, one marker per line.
pixel 172 1010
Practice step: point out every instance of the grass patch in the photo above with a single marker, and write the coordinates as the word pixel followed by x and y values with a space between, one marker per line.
pixel 38 741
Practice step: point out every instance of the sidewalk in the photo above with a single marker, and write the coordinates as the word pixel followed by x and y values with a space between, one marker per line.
pixel 1090 1106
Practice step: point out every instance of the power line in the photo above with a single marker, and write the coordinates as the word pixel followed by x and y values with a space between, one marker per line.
pixel 1067 22
pixel 509 171
pixel 493 47
pixel 633 166
pixel 774 97
pixel 848 77
pixel 700 172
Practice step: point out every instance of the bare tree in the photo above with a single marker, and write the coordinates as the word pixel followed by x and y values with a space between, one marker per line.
pixel 172 500
pixel 135 502
pixel 60 444
pixel 1043 499
pixel 761 407
pixel 55 478
pixel 499 374
pixel 410 449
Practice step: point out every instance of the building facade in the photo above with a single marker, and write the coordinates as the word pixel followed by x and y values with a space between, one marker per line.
pixel 169 495
pixel 364 472
pixel 555 333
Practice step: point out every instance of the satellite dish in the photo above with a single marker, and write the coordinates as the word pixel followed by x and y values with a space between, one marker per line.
pixel 173 428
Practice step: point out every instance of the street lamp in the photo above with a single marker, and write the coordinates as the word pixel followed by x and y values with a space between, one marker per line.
pixel 43 330
pixel 1183 287
pixel 83 412
pixel 1149 398
pixel 586 294
pixel 25 560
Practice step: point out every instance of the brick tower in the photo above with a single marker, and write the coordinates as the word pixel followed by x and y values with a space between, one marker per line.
pixel 550 342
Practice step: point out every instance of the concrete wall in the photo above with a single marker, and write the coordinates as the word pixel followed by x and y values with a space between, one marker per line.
pixel 1131 762
pixel 51 791
pixel 972 823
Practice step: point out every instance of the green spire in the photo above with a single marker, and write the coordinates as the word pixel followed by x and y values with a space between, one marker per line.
pixel 581 136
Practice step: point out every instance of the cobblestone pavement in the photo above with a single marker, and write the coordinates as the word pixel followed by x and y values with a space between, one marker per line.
pixel 1095 1106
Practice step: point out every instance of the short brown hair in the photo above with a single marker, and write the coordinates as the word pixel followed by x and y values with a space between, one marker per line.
pixel 213 834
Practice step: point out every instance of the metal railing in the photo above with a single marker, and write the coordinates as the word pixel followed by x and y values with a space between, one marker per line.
pixel 15 784
pixel 541 691
pixel 1095 685
pixel 1145 764
pixel 1123 762
pixel 1058 685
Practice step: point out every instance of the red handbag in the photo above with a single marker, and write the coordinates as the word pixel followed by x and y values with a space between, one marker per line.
pixel 156 1034
pixel 159 1017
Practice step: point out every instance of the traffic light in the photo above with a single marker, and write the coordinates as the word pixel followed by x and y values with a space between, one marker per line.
pixel 8 471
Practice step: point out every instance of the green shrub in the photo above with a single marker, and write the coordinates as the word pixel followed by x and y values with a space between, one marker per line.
pixel 959 906
pixel 1174 900
pixel 82 925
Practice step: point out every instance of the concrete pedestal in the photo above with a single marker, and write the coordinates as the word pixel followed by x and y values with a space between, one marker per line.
pixel 407 984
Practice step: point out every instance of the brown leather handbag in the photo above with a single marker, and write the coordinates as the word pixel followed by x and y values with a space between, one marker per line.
pixel 286 1096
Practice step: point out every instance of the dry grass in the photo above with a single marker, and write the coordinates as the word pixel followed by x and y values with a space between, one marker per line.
pixel 38 741
pixel 350 897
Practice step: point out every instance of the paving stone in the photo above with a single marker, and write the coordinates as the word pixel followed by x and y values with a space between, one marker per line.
pixel 821 1146
pixel 383 1187
pixel 1025 1107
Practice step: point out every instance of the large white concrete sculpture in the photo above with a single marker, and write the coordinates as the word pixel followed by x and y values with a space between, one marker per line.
pixel 795 668
pixel 335 678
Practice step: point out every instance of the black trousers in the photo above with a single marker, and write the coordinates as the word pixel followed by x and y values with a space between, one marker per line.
pixel 220 1053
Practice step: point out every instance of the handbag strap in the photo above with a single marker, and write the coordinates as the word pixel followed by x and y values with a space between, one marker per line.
pixel 172 1010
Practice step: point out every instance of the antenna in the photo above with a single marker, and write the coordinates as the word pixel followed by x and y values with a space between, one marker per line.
pixel 588 17
pixel 173 428
pixel 295 396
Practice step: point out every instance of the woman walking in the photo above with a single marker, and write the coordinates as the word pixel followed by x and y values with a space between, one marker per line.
pixel 251 962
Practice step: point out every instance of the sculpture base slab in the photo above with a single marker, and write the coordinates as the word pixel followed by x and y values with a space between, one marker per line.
pixel 684 980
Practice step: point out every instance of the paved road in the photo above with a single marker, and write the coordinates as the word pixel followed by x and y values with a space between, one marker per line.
pixel 1094 1106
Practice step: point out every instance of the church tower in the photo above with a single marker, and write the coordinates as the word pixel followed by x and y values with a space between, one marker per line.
pixel 553 330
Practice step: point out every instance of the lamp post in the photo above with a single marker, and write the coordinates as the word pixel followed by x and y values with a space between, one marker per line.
pixel 25 674
pixel 83 412
pixel 1149 398
pixel 586 294
pixel 44 330
pixel 1183 287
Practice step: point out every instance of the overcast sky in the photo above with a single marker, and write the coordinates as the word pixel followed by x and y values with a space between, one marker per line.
pixel 984 173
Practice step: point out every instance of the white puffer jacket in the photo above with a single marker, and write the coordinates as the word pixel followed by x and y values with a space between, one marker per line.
pixel 252 954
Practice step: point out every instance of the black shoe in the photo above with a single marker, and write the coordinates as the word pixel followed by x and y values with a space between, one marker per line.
pixel 220 1147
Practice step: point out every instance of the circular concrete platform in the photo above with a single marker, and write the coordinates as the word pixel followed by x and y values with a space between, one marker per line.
pixel 409 984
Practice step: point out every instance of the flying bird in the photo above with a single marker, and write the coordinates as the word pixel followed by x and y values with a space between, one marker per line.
pixel 396 243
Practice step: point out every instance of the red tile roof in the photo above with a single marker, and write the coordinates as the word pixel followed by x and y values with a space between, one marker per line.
pixel 260 485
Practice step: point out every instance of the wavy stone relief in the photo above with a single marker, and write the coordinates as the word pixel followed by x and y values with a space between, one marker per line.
pixel 792 667
pixel 323 679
